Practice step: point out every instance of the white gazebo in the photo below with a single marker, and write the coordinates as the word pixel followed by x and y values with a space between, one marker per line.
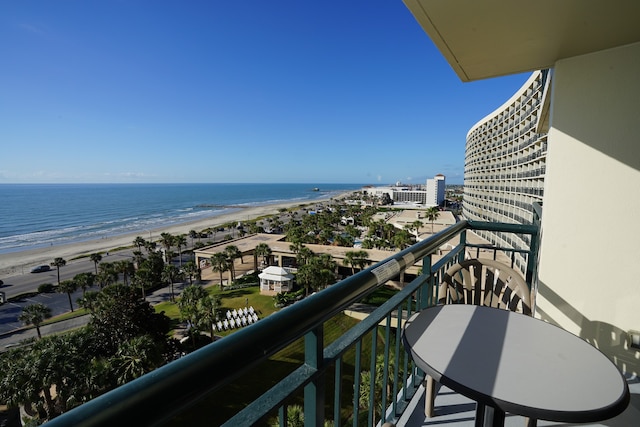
pixel 275 279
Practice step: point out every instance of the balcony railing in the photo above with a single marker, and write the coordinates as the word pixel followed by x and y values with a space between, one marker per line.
pixel 331 382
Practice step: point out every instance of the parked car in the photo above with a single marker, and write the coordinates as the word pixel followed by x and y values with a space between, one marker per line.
pixel 40 269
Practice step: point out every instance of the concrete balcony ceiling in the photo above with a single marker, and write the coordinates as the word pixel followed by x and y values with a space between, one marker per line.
pixel 490 38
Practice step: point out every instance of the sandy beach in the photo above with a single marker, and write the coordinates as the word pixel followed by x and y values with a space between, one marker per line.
pixel 16 263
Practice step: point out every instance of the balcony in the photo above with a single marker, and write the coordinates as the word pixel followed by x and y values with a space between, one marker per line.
pixel 331 381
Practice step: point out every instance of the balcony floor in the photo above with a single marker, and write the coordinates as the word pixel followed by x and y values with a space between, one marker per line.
pixel 453 409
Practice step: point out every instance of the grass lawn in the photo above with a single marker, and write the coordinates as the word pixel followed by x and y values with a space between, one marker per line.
pixel 229 299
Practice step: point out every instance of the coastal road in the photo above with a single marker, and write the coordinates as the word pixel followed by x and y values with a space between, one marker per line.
pixel 58 303
pixel 11 335
pixel 29 282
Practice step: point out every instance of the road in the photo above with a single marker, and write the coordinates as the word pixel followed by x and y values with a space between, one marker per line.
pixel 11 335
pixel 11 331
pixel 29 282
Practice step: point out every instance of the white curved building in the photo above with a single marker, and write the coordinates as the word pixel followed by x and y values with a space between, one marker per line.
pixel 505 163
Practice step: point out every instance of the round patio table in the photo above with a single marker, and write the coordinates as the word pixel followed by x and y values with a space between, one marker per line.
pixel 509 362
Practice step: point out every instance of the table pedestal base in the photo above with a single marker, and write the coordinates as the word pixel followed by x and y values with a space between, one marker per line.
pixel 488 416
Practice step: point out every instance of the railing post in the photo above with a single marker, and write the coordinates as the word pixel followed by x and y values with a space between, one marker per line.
pixel 463 243
pixel 532 259
pixel 314 391
pixel 356 384
pixel 337 400
pixel 426 293
pixel 372 379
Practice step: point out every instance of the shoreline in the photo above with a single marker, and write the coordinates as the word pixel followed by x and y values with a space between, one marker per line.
pixel 21 262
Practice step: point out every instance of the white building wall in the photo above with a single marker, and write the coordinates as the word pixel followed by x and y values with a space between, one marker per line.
pixel 380 191
pixel 505 165
pixel 590 250
pixel 409 196
pixel 435 190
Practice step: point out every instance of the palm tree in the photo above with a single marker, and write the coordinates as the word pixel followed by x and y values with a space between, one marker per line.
pixel 317 273
pixel 232 252
pixel 193 234
pixel 107 274
pixel 89 301
pixel 139 242
pixel 207 310
pixel 150 247
pixel 67 287
pixel 192 270
pixel 328 267
pixel 135 357
pixel 296 246
pixel 170 274
pixel 170 255
pixel 219 263
pixel 180 241
pixel 57 263
pixel 431 215
pixel 389 230
pixel 352 231
pixel 401 239
pixel 416 225
pixel 263 250
pixel 254 228
pixel 304 255
pixel 143 279
pixel 356 259
pixel 166 240
pixel 96 258
pixel 188 304
pixel 138 258
pixel 35 314
pixel 84 281
pixel 125 267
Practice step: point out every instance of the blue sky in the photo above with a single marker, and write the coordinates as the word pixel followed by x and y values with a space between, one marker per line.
pixel 338 91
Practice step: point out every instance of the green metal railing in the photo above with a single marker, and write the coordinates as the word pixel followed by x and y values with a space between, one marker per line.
pixel 176 387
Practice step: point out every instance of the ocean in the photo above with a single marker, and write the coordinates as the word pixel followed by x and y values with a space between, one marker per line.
pixel 39 215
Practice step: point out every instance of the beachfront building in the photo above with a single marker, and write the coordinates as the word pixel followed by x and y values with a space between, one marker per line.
pixel 408 195
pixel 505 164
pixel 429 195
pixel 379 192
pixel 435 190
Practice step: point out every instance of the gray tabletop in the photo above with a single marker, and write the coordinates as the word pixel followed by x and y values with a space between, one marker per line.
pixel 516 363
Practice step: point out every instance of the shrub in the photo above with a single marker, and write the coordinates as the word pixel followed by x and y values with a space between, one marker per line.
pixel 284 299
pixel 46 288
pixel 248 278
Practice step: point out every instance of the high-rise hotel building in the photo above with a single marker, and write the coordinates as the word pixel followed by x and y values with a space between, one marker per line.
pixel 505 162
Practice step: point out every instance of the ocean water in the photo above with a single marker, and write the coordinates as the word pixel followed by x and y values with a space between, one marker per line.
pixel 39 215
